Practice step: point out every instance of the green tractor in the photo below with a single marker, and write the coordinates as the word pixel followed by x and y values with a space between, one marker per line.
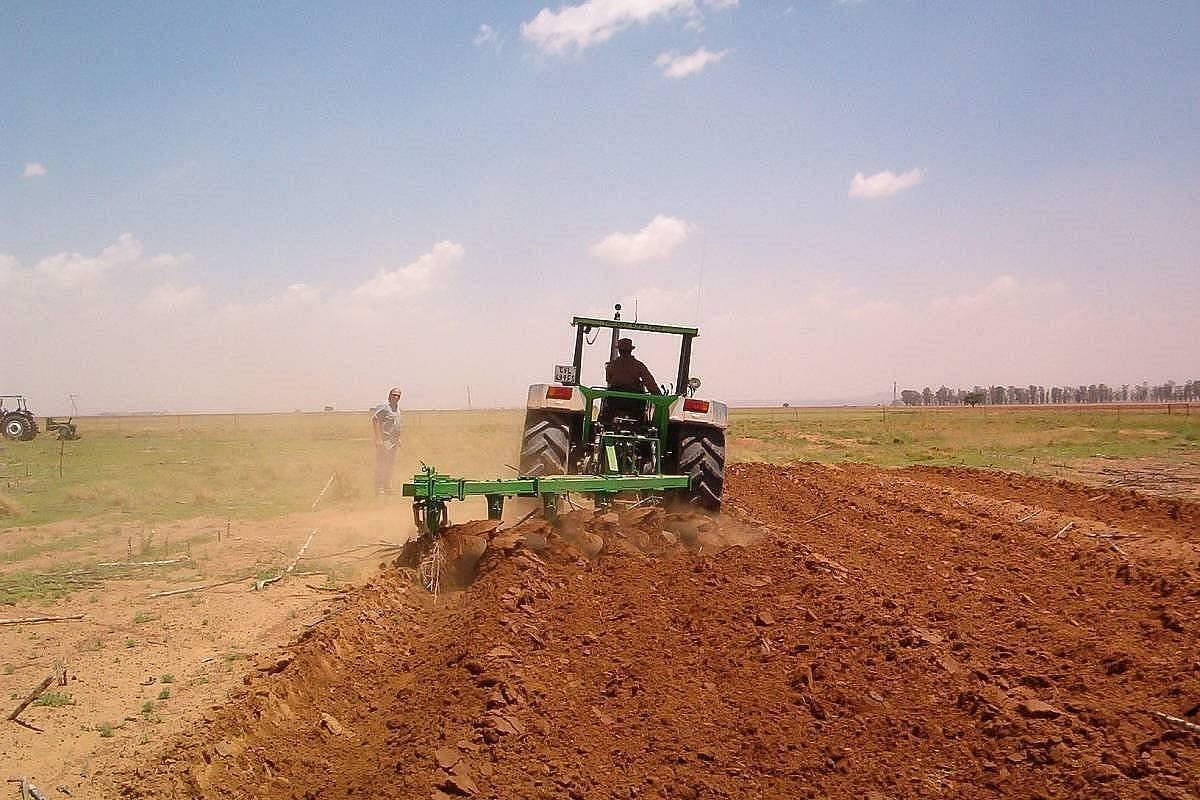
pixel 598 442
pixel 585 441
pixel 573 429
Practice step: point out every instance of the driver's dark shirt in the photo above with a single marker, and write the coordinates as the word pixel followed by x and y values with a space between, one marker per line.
pixel 627 374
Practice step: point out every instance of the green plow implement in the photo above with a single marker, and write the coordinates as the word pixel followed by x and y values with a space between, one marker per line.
pixel 431 491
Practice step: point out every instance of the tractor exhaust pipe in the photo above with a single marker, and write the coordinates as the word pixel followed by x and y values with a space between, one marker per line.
pixel 616 334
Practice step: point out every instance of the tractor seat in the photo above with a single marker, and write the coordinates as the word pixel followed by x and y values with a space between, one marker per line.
pixel 629 411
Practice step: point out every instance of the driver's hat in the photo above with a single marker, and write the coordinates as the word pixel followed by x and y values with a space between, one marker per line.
pixel 624 345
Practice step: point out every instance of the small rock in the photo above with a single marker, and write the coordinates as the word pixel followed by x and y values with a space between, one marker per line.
pixel 764 618
pixel 508 541
pixel 446 757
pixel 603 718
pixel 274 665
pixel 591 545
pixel 1058 753
pixel 1101 773
pixel 331 724
pixel 1117 663
pixel 1171 622
pixel 1037 709
pixel 460 782
pixel 502 651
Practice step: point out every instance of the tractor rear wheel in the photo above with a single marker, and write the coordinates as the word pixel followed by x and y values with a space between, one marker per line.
pixel 17 427
pixel 700 454
pixel 546 445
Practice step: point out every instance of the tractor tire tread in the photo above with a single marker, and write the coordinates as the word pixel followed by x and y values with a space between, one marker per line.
pixel 18 427
pixel 546 445
pixel 701 456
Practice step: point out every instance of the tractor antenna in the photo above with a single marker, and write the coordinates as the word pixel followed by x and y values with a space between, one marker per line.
pixel 635 314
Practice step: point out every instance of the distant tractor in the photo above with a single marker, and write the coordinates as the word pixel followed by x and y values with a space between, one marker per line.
pixel 572 429
pixel 19 424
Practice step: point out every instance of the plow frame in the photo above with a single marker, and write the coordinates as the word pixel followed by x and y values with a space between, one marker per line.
pixel 431 491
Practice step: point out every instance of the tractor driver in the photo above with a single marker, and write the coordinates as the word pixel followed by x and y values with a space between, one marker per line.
pixel 626 374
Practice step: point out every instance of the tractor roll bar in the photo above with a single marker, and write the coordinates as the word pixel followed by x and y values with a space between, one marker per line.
pixel 583 325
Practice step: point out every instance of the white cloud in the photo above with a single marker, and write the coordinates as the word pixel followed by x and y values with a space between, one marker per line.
pixel 414 277
pixel 572 29
pixel 1001 289
pixel 72 270
pixel 674 65
pixel 487 35
pixel 657 241
pixel 167 299
pixel 884 184
pixel 34 170
pixel 8 267
pixel 169 260
pixel 68 270
pixel 721 5
pixel 301 293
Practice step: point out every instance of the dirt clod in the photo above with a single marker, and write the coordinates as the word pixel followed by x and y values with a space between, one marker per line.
pixel 1037 709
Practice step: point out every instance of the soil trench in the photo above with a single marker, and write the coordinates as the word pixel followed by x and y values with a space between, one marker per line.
pixel 840 632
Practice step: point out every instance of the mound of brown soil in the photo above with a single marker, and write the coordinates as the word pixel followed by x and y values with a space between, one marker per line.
pixel 840 633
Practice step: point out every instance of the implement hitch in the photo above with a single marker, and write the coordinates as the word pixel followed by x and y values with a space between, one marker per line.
pixel 431 491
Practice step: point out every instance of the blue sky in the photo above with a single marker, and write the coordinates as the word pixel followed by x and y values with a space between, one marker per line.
pixel 272 207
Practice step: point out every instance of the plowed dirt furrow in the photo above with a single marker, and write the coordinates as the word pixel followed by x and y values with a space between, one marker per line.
pixel 918 641
pixel 1117 507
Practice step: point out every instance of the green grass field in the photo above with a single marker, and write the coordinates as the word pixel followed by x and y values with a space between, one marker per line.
pixel 1020 439
pixel 262 465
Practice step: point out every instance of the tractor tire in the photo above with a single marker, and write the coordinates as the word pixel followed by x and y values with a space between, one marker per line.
pixel 546 445
pixel 700 454
pixel 17 428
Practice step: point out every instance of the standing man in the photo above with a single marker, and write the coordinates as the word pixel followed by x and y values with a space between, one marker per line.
pixel 385 421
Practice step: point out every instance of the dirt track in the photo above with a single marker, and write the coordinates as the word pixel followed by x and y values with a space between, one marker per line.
pixel 938 634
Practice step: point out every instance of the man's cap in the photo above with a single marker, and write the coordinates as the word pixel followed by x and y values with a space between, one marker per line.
pixel 395 390
pixel 624 345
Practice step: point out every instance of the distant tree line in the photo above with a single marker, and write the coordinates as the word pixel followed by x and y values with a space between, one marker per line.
pixel 1169 392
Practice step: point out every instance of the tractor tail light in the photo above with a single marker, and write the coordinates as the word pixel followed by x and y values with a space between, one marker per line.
pixel 564 393
pixel 695 406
